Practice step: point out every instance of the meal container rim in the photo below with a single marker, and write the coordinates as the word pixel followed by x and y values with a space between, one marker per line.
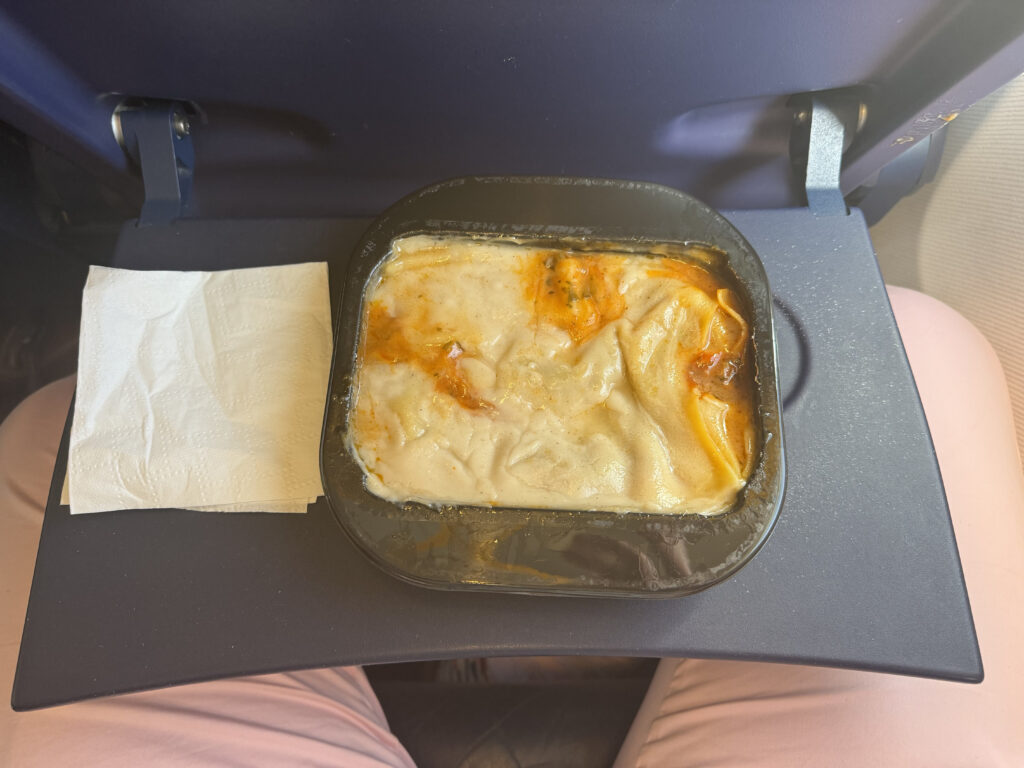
pixel 398 536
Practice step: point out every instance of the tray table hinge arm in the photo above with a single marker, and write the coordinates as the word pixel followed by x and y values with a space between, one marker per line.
pixel 824 160
pixel 156 135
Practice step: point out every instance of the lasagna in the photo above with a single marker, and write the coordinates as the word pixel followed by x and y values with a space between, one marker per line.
pixel 512 374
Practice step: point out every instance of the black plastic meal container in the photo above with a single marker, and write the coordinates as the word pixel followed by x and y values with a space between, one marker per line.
pixel 545 551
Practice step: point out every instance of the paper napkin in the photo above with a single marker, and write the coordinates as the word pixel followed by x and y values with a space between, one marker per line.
pixel 200 389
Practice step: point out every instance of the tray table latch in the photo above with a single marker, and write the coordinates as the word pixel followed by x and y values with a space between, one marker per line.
pixel 824 160
pixel 156 135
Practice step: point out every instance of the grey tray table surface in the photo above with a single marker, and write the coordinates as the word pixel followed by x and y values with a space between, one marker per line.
pixel 862 570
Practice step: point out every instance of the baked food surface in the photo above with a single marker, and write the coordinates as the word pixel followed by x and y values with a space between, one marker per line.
pixel 491 372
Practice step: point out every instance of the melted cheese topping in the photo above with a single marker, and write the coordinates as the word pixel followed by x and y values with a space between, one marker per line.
pixel 490 372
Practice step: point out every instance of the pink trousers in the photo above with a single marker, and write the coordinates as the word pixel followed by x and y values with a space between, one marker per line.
pixel 697 712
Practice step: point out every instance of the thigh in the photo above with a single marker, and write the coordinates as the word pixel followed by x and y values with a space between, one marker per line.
pixel 313 717
pixel 29 437
pixel 724 713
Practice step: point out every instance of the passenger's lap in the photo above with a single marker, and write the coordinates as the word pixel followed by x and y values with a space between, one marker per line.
pixel 316 717
pixel 697 713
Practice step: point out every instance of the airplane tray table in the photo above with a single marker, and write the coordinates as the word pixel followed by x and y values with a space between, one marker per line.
pixel 861 571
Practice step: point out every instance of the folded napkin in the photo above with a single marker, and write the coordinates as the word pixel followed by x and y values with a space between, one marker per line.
pixel 201 390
